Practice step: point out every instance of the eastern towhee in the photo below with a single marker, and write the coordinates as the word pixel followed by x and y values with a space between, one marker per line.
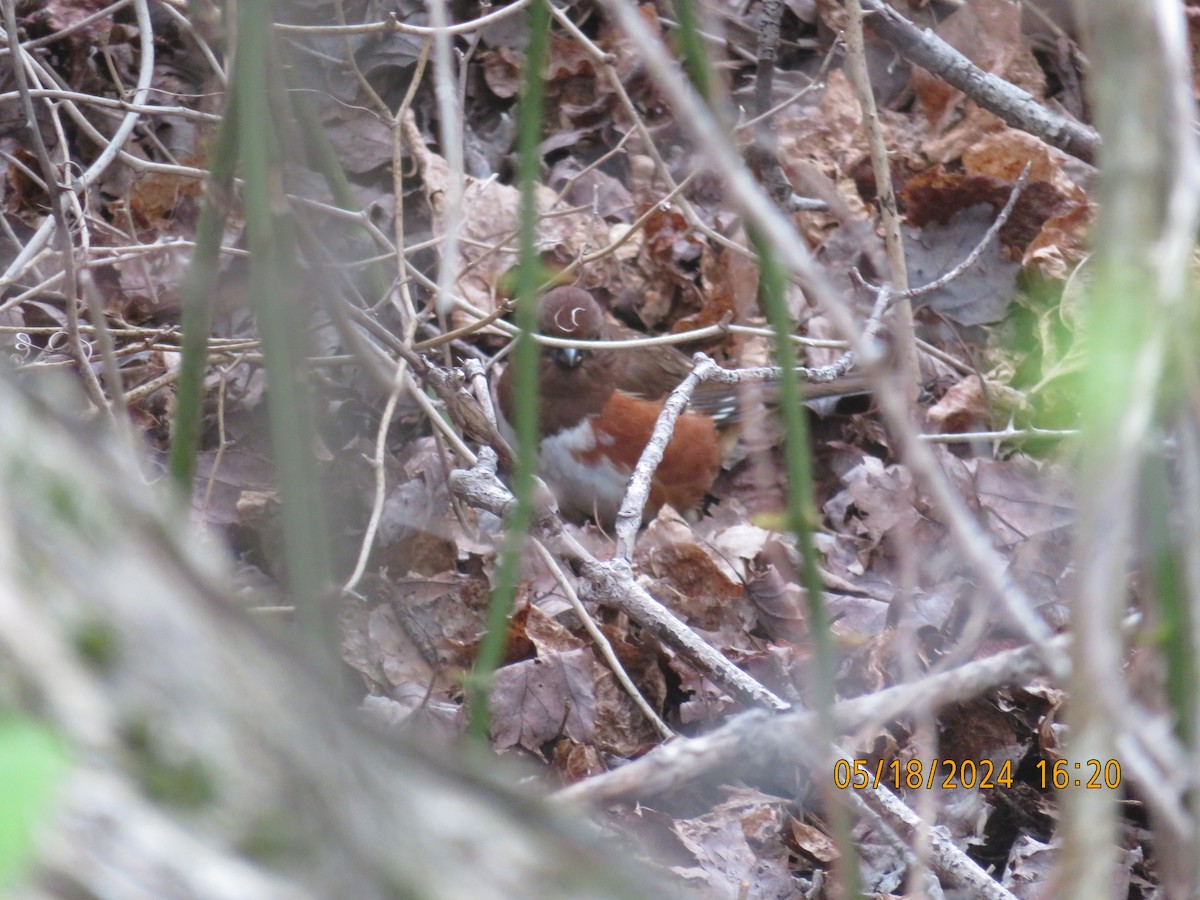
pixel 598 409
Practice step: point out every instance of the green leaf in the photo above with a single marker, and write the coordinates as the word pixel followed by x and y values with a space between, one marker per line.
pixel 33 762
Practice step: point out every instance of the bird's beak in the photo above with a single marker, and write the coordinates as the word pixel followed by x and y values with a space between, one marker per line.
pixel 568 357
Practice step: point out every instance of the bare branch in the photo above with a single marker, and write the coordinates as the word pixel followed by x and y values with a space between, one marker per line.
pixel 753 739
pixel 612 584
pixel 1015 106
pixel 907 367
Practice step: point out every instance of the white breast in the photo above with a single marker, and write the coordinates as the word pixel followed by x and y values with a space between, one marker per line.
pixel 581 490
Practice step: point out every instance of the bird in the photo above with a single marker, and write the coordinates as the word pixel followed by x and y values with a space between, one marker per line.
pixel 598 408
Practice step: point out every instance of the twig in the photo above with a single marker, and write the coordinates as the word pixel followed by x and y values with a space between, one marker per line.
pixel 222 437
pixel 607 63
pixel 636 228
pixel 377 466
pixel 681 337
pixel 439 423
pixel 629 516
pixel 58 213
pixel 181 112
pixel 61 33
pixel 450 130
pixel 1015 106
pixel 393 25
pixel 952 865
pixel 401 296
pixel 612 584
pixel 189 27
pixel 345 315
pixel 973 256
pixel 1007 434
pixel 908 369
pixel 602 642
pixel 763 153
pixel 948 277
pixel 118 412
pixel 753 739
pixel 1144 240
pixel 112 146
pixel 501 310
pixel 1140 743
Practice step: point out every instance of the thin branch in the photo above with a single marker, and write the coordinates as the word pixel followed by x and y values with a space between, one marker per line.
pixel 377 464
pixel 607 63
pixel 763 154
pixel 1007 434
pixel 908 369
pixel 61 33
pixel 612 583
pixel 682 337
pixel 601 641
pixel 112 146
pixel 973 257
pixel 629 517
pixel 451 135
pixel 116 406
pixel 392 25
pixel 181 112
pixel 754 739
pixel 1015 106
pixel 58 212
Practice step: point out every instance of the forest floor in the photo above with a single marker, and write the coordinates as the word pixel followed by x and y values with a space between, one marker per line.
pixel 633 213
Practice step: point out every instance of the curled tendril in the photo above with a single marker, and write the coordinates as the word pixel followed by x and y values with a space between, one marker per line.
pixel 26 352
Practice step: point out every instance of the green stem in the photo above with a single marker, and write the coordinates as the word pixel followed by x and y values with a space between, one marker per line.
pixel 801 517
pixel 280 313
pixel 529 278
pixel 691 46
pixel 198 289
